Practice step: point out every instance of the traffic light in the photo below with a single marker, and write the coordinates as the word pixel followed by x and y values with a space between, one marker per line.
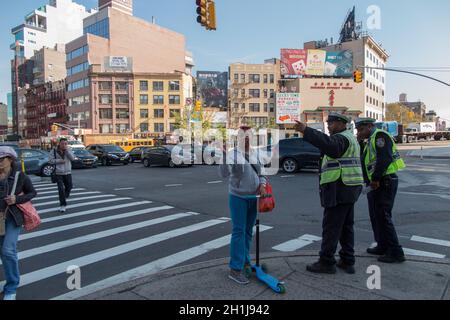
pixel 211 25
pixel 202 12
pixel 54 128
pixel 357 76
pixel 198 106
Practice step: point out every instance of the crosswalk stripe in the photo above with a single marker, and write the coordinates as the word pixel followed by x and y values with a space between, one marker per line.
pixel 56 191
pixel 297 244
pixel 96 221
pixel 419 253
pixel 100 235
pixel 57 196
pixel 152 267
pixel 84 204
pixel 39 185
pixel 54 270
pixel 46 188
pixel 438 242
pixel 75 199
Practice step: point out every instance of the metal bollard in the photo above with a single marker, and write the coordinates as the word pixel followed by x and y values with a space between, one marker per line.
pixel 421 153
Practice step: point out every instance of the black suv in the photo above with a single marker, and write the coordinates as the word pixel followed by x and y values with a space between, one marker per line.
pixel 109 154
pixel 296 154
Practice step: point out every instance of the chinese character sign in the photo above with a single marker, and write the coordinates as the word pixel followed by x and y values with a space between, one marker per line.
pixel 288 108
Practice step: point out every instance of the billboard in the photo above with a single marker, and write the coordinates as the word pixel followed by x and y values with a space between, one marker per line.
pixel 299 62
pixel 212 87
pixel 288 108
pixel 339 64
pixel 118 64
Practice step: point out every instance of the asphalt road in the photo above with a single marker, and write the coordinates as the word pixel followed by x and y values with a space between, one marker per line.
pixel 125 219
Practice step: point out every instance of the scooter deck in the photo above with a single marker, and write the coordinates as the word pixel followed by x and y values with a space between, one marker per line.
pixel 273 283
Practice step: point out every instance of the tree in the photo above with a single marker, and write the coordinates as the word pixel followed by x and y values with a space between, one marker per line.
pixel 401 114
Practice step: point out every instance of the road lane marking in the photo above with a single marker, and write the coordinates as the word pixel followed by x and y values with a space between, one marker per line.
pixel 419 253
pixel 297 244
pixel 73 195
pixel 100 235
pixel 89 259
pixel 72 206
pixel 75 199
pixel 95 221
pixel 443 196
pixel 287 177
pixel 123 189
pixel 173 185
pixel 151 268
pixel 215 182
pixel 56 191
pixel 438 242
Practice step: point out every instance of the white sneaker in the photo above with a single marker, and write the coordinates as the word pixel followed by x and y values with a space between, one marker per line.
pixel 62 209
pixel 9 297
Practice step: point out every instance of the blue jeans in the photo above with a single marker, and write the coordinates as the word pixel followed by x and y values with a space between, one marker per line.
pixel 243 217
pixel 8 254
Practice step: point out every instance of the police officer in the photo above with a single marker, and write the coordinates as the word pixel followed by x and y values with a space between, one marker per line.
pixel 341 183
pixel 381 161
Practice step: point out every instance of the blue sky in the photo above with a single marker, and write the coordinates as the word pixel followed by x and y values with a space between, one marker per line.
pixel 415 33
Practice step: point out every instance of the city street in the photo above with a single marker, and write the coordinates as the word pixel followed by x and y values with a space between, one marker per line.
pixel 123 221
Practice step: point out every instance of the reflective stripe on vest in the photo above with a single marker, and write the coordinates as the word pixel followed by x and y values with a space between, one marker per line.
pixel 370 160
pixel 348 168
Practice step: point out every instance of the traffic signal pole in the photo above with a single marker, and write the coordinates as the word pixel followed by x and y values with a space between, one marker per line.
pixel 408 72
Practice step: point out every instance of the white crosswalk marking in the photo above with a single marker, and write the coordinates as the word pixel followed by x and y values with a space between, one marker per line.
pixel 46 188
pixel 83 205
pixel 438 242
pixel 95 221
pixel 426 254
pixel 56 191
pixel 297 244
pixel 57 196
pixel 153 267
pixel 112 252
pixel 43 204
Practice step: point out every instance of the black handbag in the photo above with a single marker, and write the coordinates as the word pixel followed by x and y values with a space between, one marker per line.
pixel 53 176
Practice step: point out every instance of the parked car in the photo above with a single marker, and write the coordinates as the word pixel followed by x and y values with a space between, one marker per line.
pixel 35 161
pixel 294 154
pixel 109 154
pixel 85 159
pixel 137 153
pixel 168 155
pixel 75 144
pixel 212 155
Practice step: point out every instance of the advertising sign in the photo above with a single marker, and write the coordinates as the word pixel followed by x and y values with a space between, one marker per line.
pixel 339 64
pixel 118 62
pixel 316 62
pixel 213 88
pixel 288 108
pixel 293 62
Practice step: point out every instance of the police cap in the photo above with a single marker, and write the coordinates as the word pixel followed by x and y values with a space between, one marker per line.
pixel 364 121
pixel 334 116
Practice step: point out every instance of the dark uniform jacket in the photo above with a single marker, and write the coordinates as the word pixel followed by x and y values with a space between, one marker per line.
pixel 336 193
pixel 383 144
pixel 25 186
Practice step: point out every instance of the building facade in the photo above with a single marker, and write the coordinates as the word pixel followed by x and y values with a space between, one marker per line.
pixel 115 46
pixel 49 64
pixel 3 119
pixel 252 93
pixel 419 108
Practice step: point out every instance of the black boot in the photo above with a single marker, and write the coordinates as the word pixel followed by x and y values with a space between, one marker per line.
pixel 320 267
pixel 348 268
pixel 387 258
pixel 377 251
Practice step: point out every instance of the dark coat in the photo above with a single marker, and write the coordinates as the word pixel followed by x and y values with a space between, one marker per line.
pixel 25 186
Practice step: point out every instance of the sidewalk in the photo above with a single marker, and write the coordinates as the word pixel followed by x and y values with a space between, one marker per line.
pixel 431 153
pixel 418 278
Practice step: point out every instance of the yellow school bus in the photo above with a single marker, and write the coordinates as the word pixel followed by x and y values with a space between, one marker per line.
pixel 130 144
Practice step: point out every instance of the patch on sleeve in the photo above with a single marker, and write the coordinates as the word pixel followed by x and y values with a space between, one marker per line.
pixel 381 143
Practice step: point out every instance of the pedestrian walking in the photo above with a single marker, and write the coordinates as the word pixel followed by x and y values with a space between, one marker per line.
pixel 381 162
pixel 341 182
pixel 61 157
pixel 246 182
pixel 11 217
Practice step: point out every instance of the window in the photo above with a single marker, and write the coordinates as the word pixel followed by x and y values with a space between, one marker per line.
pixel 243 107
pixel 100 28
pixel 254 78
pixel 266 93
pixel 105 85
pixel 105 98
pixel 159 127
pixel 122 128
pixel 243 93
pixel 255 93
pixel 272 78
pixel 266 108
pixel 144 113
pixel 174 113
pixel 254 107
pixel 123 86
pixel 105 113
pixel 158 99
pixel 78 100
pixel 144 127
pixel 236 106
pixel 106 128
pixel 266 78
pixel 174 85
pixel 143 85
pixel 159 113
pixel 367 99
pixel 243 77
pixel 78 68
pixel 77 52
pixel 173 127
pixel 78 85
pixel 235 93
pixel 272 107
pixel 236 77
pixel 143 99
pixel 272 94
pixel 174 99
pixel 122 99
pixel 158 86
pixel 122 114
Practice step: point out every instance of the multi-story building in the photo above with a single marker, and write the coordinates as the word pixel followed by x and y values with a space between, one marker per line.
pixel 49 65
pixel 21 111
pixel 3 119
pixel 60 21
pixel 159 98
pixel 115 46
pixel 419 108
pixel 45 105
pixel 252 93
